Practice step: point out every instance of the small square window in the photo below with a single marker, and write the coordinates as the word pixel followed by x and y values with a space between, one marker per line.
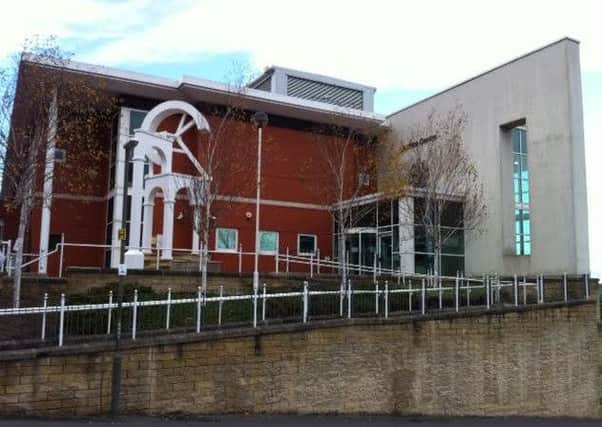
pixel 226 239
pixel 60 155
pixel 364 179
pixel 307 244
pixel 268 242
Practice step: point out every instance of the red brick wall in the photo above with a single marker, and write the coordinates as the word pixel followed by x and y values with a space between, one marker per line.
pixel 291 172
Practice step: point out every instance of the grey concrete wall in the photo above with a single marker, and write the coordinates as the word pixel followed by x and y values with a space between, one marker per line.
pixel 543 87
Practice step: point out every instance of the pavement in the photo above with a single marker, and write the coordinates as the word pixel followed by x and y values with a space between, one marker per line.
pixel 299 421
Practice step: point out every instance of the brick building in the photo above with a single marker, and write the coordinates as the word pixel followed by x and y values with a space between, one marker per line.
pixel 533 100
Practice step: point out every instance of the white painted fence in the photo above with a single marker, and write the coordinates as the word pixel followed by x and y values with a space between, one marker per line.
pixel 417 295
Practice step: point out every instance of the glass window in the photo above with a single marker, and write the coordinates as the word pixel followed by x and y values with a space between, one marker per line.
pixel 453 214
pixel 454 244
pixel 451 265
pixel 522 221
pixel 423 263
pixel 136 119
pixel 307 244
pixel 384 213
pixel 226 239
pixel 268 242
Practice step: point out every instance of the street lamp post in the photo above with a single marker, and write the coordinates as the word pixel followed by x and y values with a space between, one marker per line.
pixel 116 385
pixel 260 119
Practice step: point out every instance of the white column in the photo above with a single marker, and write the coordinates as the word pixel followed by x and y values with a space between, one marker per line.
pixel 195 235
pixel 47 196
pixel 195 242
pixel 136 193
pixel 167 239
pixel 406 234
pixel 124 124
pixel 147 226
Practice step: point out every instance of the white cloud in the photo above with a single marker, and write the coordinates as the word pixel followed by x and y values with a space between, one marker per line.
pixel 82 20
pixel 387 44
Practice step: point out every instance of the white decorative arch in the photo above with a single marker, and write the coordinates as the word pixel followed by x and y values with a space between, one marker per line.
pixel 155 117
pixel 158 146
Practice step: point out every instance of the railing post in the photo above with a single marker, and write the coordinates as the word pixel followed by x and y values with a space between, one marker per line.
pixel 487 292
pixel 43 335
pixel 277 261
pixel 586 278
pixel 423 297
pixel 515 291
pixel 239 260
pixel 287 260
pixel 62 254
pixel 168 309
pixel 134 314
pixel 255 306
pixel 318 257
pixel 376 295
pixel 199 296
pixel 457 291
pixel 263 303
pixel 349 292
pixel 220 305
pixel 564 287
pixel 305 301
pixel 542 289
pixel 62 320
pixel 410 296
pixel 386 299
pixel 341 299
pixel 109 312
pixel 440 292
pixel 465 284
pixel 311 265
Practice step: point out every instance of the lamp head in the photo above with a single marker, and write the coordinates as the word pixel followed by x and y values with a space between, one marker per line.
pixel 130 145
pixel 260 119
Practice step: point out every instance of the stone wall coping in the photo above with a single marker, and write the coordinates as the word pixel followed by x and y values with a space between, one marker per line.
pixel 271 329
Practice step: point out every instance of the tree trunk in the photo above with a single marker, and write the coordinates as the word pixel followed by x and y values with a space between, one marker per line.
pixel 20 247
pixel 205 248
pixel 342 252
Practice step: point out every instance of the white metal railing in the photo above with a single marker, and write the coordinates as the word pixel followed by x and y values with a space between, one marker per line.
pixel 411 298
pixel 313 264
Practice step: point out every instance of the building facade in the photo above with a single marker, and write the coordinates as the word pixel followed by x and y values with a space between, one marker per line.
pixel 524 132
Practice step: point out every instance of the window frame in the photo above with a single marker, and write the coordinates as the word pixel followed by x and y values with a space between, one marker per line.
pixel 217 240
pixel 274 252
pixel 523 243
pixel 315 250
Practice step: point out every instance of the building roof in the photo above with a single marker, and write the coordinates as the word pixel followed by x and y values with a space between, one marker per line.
pixel 311 76
pixel 189 87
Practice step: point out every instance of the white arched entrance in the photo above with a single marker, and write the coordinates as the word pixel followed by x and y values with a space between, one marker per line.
pixel 157 147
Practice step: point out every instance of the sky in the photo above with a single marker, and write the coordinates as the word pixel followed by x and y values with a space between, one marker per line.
pixel 406 49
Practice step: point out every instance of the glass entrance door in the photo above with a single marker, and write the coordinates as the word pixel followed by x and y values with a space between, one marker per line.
pixel 361 248
pixel 385 250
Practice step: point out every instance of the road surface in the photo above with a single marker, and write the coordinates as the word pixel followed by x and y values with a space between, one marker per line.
pixel 302 421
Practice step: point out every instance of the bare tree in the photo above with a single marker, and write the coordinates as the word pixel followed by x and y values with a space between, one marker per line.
pixel 224 156
pixel 342 170
pixel 43 107
pixel 435 170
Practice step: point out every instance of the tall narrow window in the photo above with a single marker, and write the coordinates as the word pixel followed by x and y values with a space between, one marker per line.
pixel 522 221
